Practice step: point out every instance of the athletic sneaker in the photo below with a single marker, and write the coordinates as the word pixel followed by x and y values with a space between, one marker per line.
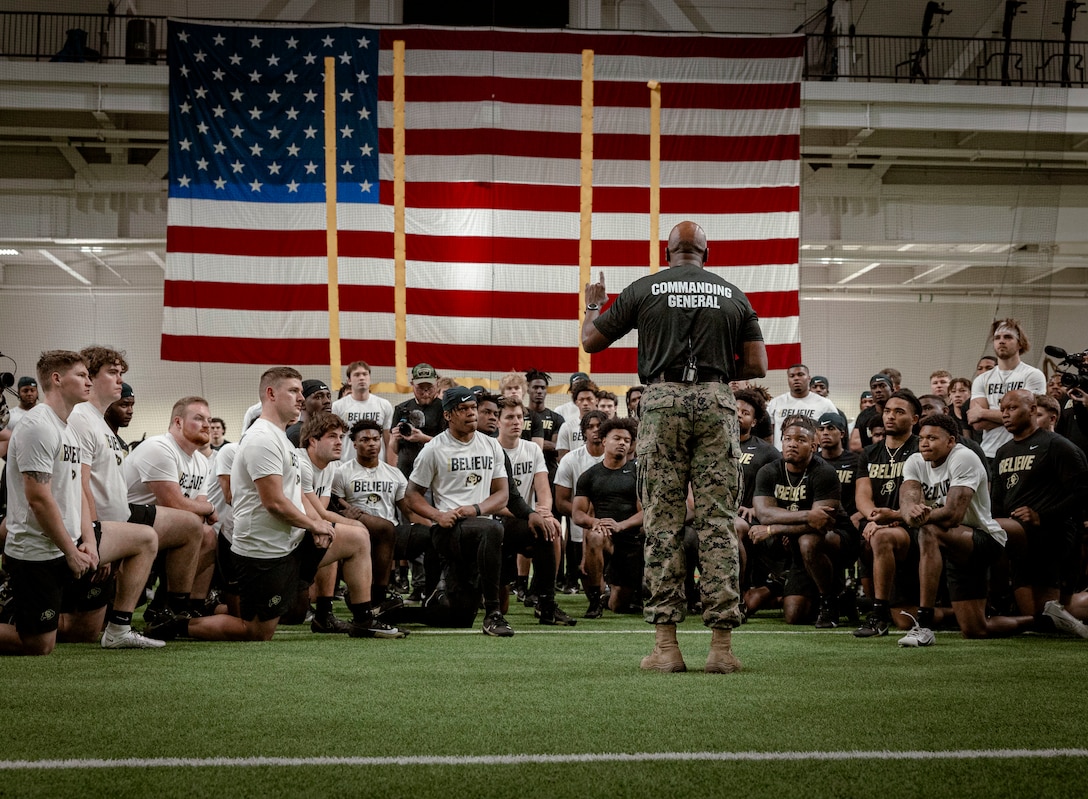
pixel 328 623
pixel 918 636
pixel 391 603
pixel 375 629
pixel 1064 620
pixel 595 609
pixel 828 618
pixel 872 628
pixel 554 616
pixel 495 624
pixel 129 639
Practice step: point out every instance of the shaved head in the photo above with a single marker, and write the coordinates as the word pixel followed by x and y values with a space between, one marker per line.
pixel 689 238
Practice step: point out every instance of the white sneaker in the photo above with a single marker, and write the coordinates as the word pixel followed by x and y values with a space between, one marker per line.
pixel 1064 620
pixel 918 636
pixel 129 639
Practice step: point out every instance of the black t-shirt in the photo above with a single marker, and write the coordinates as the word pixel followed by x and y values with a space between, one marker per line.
pixel 433 424
pixel 675 305
pixel 798 492
pixel 861 424
pixel 846 467
pixel 1046 472
pixel 755 453
pixel 546 424
pixel 1073 424
pixel 613 492
pixel 884 468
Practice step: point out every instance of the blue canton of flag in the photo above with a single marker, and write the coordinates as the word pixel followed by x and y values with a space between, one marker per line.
pixel 247 112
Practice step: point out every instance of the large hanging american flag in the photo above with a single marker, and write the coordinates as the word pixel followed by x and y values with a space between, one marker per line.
pixel 492 179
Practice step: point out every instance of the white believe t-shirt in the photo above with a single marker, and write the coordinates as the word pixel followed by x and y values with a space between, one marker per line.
pixel 459 473
pixel 101 449
pixel 995 384
pixel 786 405
pixel 160 459
pixel 352 410
pixel 264 451
pixel 962 467
pixel 224 462
pixel 42 443
pixel 527 461
pixel 372 490
pixel 570 436
pixel 314 480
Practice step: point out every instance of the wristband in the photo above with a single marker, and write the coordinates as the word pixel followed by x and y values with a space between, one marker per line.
pixel 477 507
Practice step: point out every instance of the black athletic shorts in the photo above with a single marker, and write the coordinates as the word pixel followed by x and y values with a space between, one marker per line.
pixel 85 595
pixel 38 587
pixel 968 580
pixel 627 564
pixel 1049 551
pixel 142 514
pixel 228 568
pixel 268 586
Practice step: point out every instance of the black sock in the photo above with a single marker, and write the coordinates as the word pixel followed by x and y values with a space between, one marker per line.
pixel 177 601
pixel 378 593
pixel 324 605
pixel 925 617
pixel 490 607
pixel 361 612
pixel 197 605
pixel 120 617
pixel 593 595
pixel 881 610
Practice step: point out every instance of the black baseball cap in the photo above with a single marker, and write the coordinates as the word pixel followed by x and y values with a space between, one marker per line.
pixel 819 379
pixel 866 395
pixel 455 396
pixel 313 386
pixel 881 378
pixel 834 419
pixel 25 381
pixel 126 391
pixel 574 378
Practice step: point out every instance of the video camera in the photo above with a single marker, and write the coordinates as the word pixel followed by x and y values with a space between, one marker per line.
pixel 1072 361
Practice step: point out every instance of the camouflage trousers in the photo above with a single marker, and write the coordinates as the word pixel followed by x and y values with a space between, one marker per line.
pixel 688 435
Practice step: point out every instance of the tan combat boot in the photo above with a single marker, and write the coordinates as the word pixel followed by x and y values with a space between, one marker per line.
pixel 721 659
pixel 666 655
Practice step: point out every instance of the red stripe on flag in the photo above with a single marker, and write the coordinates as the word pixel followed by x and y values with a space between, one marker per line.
pixel 228 349
pixel 620 44
pixel 606 147
pixel 240 241
pixel 493 304
pixel 606 94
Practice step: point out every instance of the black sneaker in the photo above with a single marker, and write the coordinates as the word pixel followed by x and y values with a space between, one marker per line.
pixel 530 600
pixel 554 616
pixel 595 609
pixel 160 614
pixel 828 619
pixel 164 630
pixel 495 624
pixel 393 602
pixel 872 627
pixel 375 629
pixel 328 623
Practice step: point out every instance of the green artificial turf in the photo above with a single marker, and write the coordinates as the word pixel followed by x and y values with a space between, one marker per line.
pixel 550 691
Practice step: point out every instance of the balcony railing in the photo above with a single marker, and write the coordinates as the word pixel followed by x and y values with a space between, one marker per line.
pixel 42 36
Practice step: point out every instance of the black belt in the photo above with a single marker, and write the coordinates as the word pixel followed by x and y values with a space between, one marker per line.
pixel 677 376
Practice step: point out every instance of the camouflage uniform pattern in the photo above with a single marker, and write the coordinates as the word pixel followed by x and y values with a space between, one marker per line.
pixel 688 432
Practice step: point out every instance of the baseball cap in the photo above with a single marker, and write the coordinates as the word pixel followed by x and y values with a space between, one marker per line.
pixel 424 373
pixel 313 386
pixel 866 395
pixel 834 419
pixel 574 378
pixel 881 378
pixel 26 381
pixel 126 391
pixel 819 379
pixel 455 396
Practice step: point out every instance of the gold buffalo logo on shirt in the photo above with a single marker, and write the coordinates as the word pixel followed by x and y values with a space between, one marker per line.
pixel 372 499
pixel 473 479
pixel 888 488
pixel 1014 478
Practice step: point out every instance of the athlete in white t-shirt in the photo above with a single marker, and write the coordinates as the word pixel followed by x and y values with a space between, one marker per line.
pixel 466 473
pixel 166 477
pixel 798 401
pixel 103 482
pixel 361 404
pixel 276 541
pixel 53 545
pixel 945 496
pixel 566 482
pixel 584 395
pixel 1010 374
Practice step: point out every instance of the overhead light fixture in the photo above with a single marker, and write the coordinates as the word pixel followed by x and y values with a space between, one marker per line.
pixel 92 249
pixel 860 272
pixel 8 251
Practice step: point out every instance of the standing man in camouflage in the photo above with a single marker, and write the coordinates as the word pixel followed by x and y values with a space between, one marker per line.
pixel 697 332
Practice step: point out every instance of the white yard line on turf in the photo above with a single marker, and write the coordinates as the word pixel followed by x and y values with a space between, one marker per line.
pixel 514 760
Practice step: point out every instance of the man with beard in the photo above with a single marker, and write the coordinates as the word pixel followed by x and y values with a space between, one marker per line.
pixel 880 386
pixel 800 400
pixel 166 479
pixel 316 398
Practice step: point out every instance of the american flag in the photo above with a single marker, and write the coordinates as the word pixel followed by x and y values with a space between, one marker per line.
pixel 493 148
